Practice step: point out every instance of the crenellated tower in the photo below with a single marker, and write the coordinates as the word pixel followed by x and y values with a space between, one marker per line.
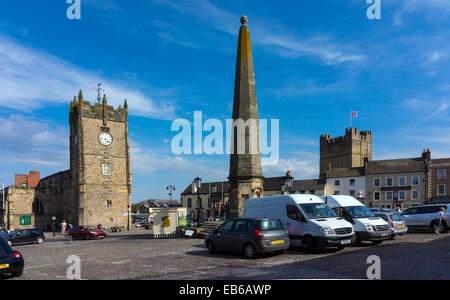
pixel 348 151
pixel 99 163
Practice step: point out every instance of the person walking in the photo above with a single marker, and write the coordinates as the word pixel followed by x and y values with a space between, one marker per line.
pixel 399 209
pixel 439 220
pixel 63 226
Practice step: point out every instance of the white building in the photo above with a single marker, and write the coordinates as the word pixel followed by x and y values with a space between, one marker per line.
pixel 350 182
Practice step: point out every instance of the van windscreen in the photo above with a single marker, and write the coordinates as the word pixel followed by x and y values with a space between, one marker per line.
pixel 318 211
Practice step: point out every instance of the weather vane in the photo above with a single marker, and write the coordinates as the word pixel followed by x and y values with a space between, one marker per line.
pixel 99 89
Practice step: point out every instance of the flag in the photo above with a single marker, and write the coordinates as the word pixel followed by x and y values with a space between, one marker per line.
pixel 354 114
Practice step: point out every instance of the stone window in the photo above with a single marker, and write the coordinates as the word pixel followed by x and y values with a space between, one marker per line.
pixel 414 195
pixel 401 181
pixel 376 196
pixel 336 192
pixel 389 195
pixel 377 182
pixel 352 193
pixel 189 203
pixel 441 174
pixel 441 190
pixel 352 181
pixel 389 181
pixel 415 180
pixel 106 169
pixel 337 182
pixel 109 203
pixel 401 195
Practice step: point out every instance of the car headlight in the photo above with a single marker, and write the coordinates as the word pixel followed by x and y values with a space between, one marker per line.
pixel 327 230
pixel 369 227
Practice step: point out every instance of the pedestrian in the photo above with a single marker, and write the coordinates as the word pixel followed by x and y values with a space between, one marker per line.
pixel 399 209
pixel 63 226
pixel 99 226
pixel 439 220
pixel 53 227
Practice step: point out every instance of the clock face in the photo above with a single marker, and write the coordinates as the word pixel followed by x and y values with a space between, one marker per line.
pixel 105 139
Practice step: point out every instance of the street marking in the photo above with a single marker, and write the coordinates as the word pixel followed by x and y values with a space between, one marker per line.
pixel 121 262
pixel 41 266
pixel 41 274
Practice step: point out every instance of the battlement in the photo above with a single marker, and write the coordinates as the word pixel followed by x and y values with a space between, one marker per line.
pixel 350 134
pixel 79 106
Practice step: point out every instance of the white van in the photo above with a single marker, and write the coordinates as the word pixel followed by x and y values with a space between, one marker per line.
pixel 308 220
pixel 367 226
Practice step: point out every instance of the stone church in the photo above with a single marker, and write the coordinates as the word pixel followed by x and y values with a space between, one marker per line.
pixel 97 187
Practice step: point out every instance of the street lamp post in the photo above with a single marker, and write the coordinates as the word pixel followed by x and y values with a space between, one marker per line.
pixel 288 184
pixel 128 220
pixel 197 184
pixel 170 188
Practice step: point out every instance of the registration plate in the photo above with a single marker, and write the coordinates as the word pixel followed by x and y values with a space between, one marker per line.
pixel 345 242
pixel 400 225
pixel 277 242
pixel 4 266
pixel 384 234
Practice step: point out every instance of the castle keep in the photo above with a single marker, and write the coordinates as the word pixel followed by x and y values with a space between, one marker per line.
pixel 97 187
pixel 348 151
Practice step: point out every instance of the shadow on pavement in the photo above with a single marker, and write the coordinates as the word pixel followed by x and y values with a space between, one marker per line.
pixel 399 261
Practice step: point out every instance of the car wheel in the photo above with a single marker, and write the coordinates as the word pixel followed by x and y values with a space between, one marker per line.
pixel 39 240
pixel 280 252
pixel 86 236
pixel 340 247
pixel 392 237
pixel 357 241
pixel 310 245
pixel 211 247
pixel 442 228
pixel 377 242
pixel 249 251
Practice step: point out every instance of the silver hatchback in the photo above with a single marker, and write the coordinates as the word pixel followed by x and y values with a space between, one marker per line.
pixel 396 221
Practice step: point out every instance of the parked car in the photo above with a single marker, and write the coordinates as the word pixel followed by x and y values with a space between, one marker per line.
pixel 25 236
pixel 3 233
pixel 424 216
pixel 86 232
pixel 250 236
pixel 395 220
pixel 367 226
pixel 11 261
pixel 308 220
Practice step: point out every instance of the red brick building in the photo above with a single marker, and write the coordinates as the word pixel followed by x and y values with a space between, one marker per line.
pixel 30 180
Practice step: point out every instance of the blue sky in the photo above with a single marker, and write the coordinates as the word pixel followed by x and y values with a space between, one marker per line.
pixel 315 61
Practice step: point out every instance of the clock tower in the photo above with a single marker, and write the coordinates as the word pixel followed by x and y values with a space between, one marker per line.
pixel 100 172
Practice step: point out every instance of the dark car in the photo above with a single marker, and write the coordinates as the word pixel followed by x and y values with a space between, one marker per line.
pixel 86 232
pixel 11 261
pixel 249 236
pixel 25 236
pixel 3 233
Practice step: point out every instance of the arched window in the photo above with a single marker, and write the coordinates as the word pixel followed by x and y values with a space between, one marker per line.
pixel 38 206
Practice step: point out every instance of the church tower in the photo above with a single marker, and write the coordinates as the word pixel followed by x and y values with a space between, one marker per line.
pixel 246 179
pixel 99 164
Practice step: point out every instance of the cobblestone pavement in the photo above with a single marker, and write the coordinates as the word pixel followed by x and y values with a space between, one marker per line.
pixel 135 256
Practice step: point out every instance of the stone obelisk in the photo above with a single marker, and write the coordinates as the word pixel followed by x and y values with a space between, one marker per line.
pixel 246 179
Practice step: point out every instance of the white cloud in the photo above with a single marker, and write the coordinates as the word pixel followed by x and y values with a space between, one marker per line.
pixel 275 36
pixel 301 168
pixel 31 141
pixel 31 79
